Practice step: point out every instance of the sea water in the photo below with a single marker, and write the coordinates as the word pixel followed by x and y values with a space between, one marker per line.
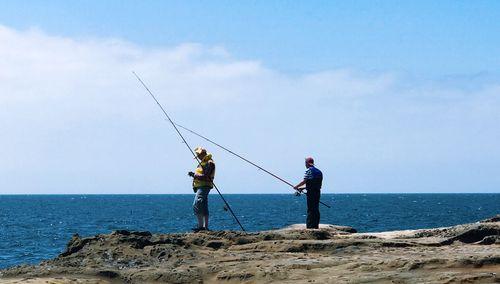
pixel 37 227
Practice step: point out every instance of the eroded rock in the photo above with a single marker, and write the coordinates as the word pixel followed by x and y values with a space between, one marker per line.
pixel 331 254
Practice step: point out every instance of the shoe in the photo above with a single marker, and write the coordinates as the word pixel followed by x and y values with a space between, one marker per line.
pixel 196 229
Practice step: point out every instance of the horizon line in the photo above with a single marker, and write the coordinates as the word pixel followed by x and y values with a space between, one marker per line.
pixel 267 193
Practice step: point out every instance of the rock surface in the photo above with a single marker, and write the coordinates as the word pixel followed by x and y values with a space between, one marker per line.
pixel 332 254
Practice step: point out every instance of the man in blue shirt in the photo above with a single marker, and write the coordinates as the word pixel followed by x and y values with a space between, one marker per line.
pixel 313 180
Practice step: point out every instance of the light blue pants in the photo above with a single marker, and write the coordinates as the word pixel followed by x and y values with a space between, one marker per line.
pixel 200 204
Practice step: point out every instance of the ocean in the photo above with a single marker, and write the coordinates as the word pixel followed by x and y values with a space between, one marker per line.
pixel 37 227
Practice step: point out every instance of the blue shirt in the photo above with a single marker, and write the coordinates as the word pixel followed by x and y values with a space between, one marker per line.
pixel 313 173
pixel 314 180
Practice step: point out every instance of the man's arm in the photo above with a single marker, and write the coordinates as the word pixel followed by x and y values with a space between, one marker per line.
pixel 297 187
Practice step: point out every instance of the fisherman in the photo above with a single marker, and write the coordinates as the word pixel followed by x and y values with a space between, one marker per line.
pixel 203 178
pixel 313 180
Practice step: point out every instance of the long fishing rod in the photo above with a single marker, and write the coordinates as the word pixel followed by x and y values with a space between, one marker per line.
pixel 189 147
pixel 241 157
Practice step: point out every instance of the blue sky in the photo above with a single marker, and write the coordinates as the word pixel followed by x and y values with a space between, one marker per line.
pixel 421 37
pixel 388 96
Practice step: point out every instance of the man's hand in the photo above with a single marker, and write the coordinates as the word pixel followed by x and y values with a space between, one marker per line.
pixel 299 189
pixel 191 174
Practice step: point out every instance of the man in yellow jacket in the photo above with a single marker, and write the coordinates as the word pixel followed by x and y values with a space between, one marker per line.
pixel 203 178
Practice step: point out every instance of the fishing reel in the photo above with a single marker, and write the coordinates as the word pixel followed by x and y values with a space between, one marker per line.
pixel 299 191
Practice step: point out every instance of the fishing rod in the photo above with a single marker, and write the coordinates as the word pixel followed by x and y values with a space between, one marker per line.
pixel 241 157
pixel 189 147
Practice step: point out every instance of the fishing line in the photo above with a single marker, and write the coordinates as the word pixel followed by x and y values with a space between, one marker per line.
pixel 243 158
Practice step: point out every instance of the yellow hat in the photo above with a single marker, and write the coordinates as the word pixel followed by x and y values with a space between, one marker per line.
pixel 199 150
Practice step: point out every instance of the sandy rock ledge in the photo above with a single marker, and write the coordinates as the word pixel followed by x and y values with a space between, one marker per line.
pixel 468 253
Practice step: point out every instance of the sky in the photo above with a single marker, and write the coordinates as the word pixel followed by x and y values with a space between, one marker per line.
pixel 387 96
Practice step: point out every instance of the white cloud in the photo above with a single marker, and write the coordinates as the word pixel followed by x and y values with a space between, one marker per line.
pixel 74 119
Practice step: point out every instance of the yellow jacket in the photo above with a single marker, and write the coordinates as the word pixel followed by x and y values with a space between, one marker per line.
pixel 204 173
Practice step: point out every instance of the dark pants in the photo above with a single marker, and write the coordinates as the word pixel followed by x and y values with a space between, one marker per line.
pixel 313 197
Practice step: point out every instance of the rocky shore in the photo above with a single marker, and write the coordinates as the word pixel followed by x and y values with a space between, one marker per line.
pixel 468 253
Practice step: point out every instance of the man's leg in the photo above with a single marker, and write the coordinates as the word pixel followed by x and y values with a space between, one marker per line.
pixel 198 207
pixel 310 205
pixel 200 221
pixel 316 214
pixel 313 209
pixel 204 206
pixel 206 222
